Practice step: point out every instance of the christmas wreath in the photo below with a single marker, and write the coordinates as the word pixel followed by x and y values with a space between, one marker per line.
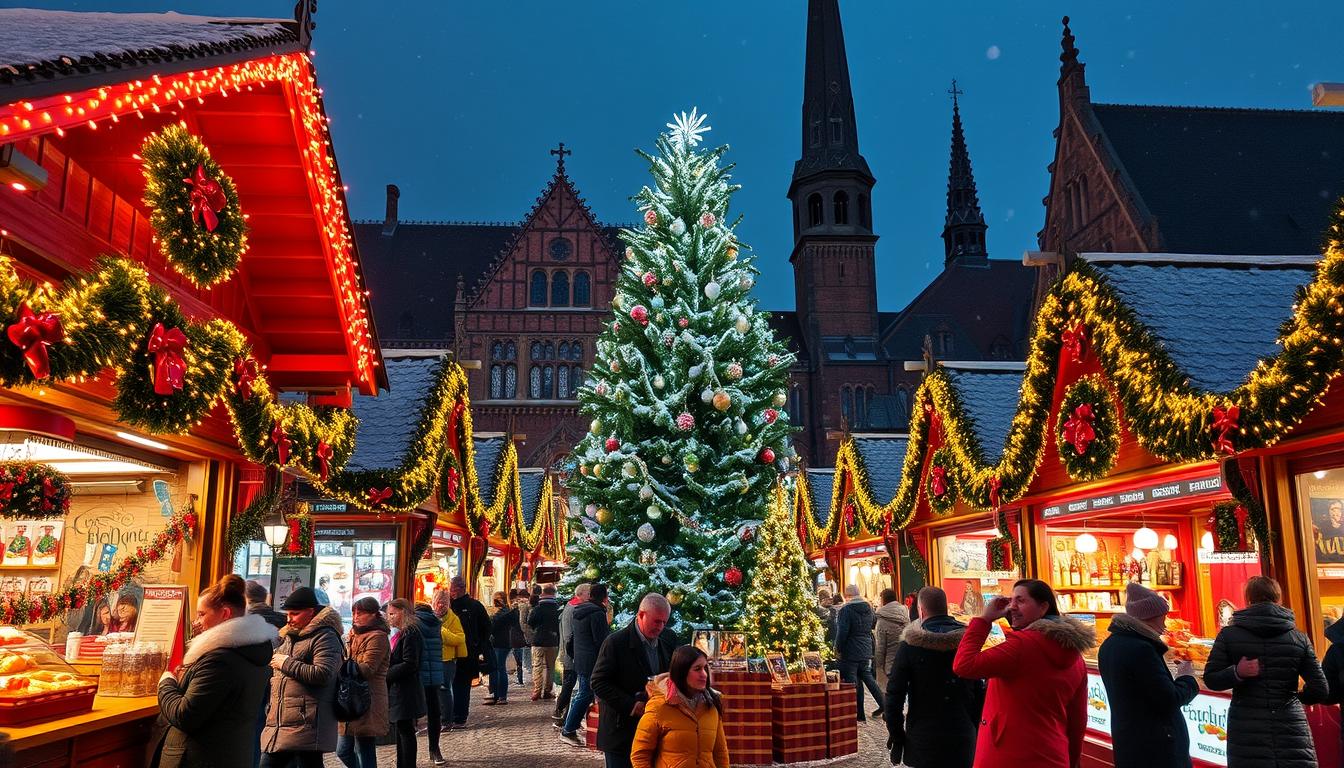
pixel 1088 432
pixel 29 490
pixel 1233 527
pixel 196 217
pixel 941 485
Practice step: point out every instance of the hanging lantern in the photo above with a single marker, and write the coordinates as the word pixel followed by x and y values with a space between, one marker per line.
pixel 1206 541
pixel 1085 543
pixel 1145 538
pixel 1169 542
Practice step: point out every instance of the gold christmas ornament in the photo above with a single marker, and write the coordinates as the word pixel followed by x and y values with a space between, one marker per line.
pixel 603 516
pixel 675 597
pixel 722 400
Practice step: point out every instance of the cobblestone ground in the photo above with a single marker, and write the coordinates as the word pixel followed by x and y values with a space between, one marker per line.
pixel 520 736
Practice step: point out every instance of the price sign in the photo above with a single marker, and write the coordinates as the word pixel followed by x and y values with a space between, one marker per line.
pixel 163 620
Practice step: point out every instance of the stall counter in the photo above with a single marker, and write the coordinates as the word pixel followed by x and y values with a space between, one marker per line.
pixel 114 732
pixel 1205 720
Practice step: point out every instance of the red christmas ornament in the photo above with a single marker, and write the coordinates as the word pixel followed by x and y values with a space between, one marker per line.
pixel 244 374
pixel 995 485
pixel 282 443
pixel 292 547
pixel 748 533
pixel 34 334
pixel 849 512
pixel 683 322
pixel 167 346
pixel 767 456
pixel 733 577
pixel 650 217
pixel 772 360
pixel 685 421
pixel 707 220
pixel 207 199
pixel 324 459
pixel 650 279
pixel 616 327
pixel 770 415
pixel 639 314
pixel 375 497
pixel 612 445
pixel 1078 430
pixel 450 485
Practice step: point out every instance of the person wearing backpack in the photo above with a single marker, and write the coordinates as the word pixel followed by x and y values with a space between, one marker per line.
pixel 368 646
pixel 300 725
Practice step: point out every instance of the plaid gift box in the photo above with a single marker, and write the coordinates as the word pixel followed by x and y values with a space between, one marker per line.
pixel 747 712
pixel 842 725
pixel 798 719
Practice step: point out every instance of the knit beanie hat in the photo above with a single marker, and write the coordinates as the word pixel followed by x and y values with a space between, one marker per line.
pixel 1143 603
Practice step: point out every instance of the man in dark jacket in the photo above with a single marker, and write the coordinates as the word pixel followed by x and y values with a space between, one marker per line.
pixel 544 621
pixel 569 677
pixel 300 724
pixel 629 658
pixel 854 645
pixel 940 730
pixel 1147 727
pixel 476 626
pixel 431 674
pixel 256 603
pixel 590 629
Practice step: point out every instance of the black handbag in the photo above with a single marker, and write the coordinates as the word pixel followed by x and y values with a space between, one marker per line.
pixel 352 693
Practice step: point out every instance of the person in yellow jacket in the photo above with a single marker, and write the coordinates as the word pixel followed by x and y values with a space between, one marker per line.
pixel 454 648
pixel 682 726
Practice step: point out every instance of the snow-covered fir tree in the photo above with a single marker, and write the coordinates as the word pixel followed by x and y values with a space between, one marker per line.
pixel 686 396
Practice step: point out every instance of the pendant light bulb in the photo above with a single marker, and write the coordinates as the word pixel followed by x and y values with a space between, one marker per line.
pixel 1145 538
pixel 1085 543
pixel 1169 542
pixel 1206 541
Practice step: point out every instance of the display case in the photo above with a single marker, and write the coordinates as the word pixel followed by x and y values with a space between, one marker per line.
pixel 36 683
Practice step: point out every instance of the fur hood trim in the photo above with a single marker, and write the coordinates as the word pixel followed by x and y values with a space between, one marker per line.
pixel 915 634
pixel 1126 623
pixel 249 629
pixel 1071 634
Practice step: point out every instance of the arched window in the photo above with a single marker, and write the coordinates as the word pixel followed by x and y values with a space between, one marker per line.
pixel 503 372
pixel 564 350
pixel 496 382
pixel 860 407
pixel 560 289
pixel 534 383
pixel 840 204
pixel 510 351
pixel 497 351
pixel 575 379
pixel 865 215
pixel 510 381
pixel 837 130
pixel 548 352
pixel 903 400
pixel 547 382
pixel 583 289
pixel 562 382
pixel 795 406
pixel 814 209
pixel 576 351
pixel 537 297
pixel 847 404
pixel 536 350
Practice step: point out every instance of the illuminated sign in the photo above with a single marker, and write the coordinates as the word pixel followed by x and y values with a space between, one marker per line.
pixel 1161 492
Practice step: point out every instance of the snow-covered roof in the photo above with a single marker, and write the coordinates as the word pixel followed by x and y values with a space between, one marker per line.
pixel 531 482
pixel 486 452
pixel 989 400
pixel 819 484
pixel 1216 320
pixel 883 457
pixel 387 423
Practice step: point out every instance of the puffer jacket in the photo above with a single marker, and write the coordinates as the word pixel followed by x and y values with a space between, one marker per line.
pixel 452 637
pixel 372 653
pixel 1147 726
pixel 431 663
pixel 1266 724
pixel 854 630
pixel 405 694
pixel 939 731
pixel 1333 665
pixel 589 628
pixel 676 733
pixel 891 621
pixel 303 688
pixel 1036 702
pixel 209 713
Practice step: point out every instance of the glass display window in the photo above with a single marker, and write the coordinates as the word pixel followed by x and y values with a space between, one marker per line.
pixel 963 571
pixel 863 566
pixel 1320 503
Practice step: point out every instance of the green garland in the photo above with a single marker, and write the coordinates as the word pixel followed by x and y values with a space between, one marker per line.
pixel 1090 394
pixel 32 491
pixel 247 526
pixel 1227 530
pixel 942 471
pixel 178 197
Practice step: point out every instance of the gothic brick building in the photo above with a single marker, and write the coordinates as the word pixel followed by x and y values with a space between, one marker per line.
pixel 530 298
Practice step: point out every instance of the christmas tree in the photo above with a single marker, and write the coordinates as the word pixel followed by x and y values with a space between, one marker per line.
pixel 780 607
pixel 688 436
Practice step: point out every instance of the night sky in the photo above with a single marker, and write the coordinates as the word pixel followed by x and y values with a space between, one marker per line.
pixel 459 103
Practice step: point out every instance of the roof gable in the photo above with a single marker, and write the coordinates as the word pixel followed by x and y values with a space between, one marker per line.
pixel 981 305
pixel 883 459
pixel 989 400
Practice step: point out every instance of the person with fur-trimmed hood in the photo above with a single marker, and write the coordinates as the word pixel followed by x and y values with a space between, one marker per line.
pixel 1147 726
pixel 1036 702
pixel 939 731
pixel 301 724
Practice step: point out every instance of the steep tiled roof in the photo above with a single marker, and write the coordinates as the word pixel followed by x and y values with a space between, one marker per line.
pixel 1216 321
pixel 1231 181
pixel 989 399
pixel 387 423
pixel 887 412
pixel 486 452
pixel 530 484
pixel 883 457
pixel 820 483
pixel 981 305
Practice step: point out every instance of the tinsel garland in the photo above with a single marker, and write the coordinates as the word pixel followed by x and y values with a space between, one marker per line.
pixel 198 222
pixel 32 491
pixel 32 609
pixel 1087 405
pixel 941 486
pixel 917 560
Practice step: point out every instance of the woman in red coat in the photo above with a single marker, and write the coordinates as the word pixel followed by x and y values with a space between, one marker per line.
pixel 1036 705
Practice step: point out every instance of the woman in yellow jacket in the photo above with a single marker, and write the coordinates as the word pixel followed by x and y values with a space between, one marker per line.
pixel 682 726
pixel 454 648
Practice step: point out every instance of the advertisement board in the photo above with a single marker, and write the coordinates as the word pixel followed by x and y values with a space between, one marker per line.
pixel 1205 720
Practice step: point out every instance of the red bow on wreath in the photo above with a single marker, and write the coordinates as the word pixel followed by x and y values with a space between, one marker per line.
pixel 995 485
pixel 244 373
pixel 48 491
pixel 167 346
pixel 450 485
pixel 294 533
pixel 323 459
pixel 282 443
pixel 1078 430
pixel 1240 514
pixel 375 498
pixel 34 334
pixel 1225 421
pixel 938 481
pixel 1074 340
pixel 849 514
pixel 207 199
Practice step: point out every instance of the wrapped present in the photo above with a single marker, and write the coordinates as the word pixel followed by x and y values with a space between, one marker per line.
pixel 799 722
pixel 842 724
pixel 591 721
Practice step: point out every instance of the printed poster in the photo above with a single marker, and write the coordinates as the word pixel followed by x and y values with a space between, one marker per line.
pixel 289 573
pixel 47 550
pixel 163 620
pixel 18 542
pixel 1326 501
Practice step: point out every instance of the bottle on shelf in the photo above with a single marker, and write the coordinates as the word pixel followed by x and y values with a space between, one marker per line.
pixel 1176 574
pixel 1075 573
pixel 1145 576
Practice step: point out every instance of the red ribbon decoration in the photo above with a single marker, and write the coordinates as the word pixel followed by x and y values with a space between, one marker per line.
pixel 167 346
pixel 34 334
pixel 244 373
pixel 48 490
pixel 450 485
pixel 323 459
pixel 282 443
pixel 995 485
pixel 1075 342
pixel 294 533
pixel 938 481
pixel 1078 430
pixel 375 498
pixel 1240 514
pixel 1225 421
pixel 849 514
pixel 207 199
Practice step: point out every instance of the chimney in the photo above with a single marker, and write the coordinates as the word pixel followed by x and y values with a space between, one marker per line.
pixel 390 219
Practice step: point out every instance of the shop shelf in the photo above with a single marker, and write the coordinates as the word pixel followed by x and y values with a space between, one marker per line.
pixel 1114 588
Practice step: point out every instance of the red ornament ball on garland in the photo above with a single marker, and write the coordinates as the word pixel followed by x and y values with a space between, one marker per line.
pixel 770 415
pixel 733 577
pixel 683 322
pixel 767 456
pixel 612 445
pixel 650 279
pixel 685 421
pixel 748 533
pixel 639 314
pixel 616 327
pixel 650 217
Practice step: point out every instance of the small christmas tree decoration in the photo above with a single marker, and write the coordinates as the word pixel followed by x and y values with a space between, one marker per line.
pixel 742 324
pixel 769 415
pixel 595 426
pixel 612 445
pixel 683 322
pixel 629 252
pixel 767 456
pixel 591 573
pixel 645 533
pixel 675 596
pixel 629 469
pixel 712 290
pixel 685 421
pixel 639 314
pixel 734 371
pixel 650 217
pixel 731 253
pixel 659 382
pixel 603 516
pixel 650 279
pixel 780 399
pixel 647 557
pixel 654 512
pixel 746 282
pixel 645 492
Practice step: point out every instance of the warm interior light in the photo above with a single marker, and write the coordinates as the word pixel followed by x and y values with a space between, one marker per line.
pixel 853 574
pixel 1320 474
pixel 18 186
pixel 1145 538
pixel 75 460
pixel 1169 542
pixel 1085 543
pixel 275 534
pixel 1206 541
pixel 443 563
pixel 866 570
pixel 145 441
pixel 1136 554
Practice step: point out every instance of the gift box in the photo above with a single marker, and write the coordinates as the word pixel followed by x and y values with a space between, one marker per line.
pixel 747 711
pixel 842 721
pixel 799 722
pixel 591 722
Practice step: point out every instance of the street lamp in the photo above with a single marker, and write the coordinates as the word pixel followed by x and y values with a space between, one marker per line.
pixel 275 537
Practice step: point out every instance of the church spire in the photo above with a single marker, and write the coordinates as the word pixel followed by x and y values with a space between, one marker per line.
pixel 964 228
pixel 830 135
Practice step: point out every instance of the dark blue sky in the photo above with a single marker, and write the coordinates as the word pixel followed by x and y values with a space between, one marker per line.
pixel 458 103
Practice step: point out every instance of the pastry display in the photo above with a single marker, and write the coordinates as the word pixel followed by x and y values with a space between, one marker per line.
pixel 34 670
pixel 1183 645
